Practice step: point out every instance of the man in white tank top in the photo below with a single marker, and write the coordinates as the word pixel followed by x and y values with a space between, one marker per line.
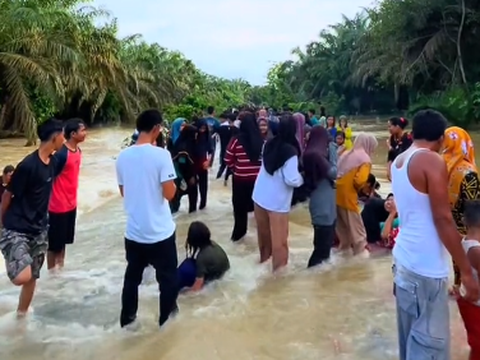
pixel 428 233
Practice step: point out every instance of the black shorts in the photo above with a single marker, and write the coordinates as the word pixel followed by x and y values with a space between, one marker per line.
pixel 61 230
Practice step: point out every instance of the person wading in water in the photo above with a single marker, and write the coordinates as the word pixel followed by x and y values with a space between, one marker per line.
pixel 62 210
pixel 25 208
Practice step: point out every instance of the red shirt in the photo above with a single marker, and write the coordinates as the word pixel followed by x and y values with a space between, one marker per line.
pixel 237 159
pixel 65 185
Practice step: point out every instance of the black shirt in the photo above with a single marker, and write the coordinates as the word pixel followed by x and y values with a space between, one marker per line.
pixel 399 146
pixel 2 190
pixel 225 134
pixel 31 186
pixel 373 214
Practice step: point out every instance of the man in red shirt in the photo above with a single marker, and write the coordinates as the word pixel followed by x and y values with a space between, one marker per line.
pixel 62 210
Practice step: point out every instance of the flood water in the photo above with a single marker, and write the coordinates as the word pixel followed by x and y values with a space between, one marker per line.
pixel 344 310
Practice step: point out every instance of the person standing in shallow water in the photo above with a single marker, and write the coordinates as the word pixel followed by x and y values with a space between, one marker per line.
pixel 463 182
pixel 23 241
pixel 320 164
pixel 150 231
pixel 243 157
pixel 273 192
pixel 62 210
pixel 399 140
pixel 203 153
pixel 353 170
pixel 421 262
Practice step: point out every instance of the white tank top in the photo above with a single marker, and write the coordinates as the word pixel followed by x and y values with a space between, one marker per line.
pixel 418 247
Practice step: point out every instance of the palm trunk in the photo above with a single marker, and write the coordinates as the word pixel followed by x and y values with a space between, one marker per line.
pixel 459 43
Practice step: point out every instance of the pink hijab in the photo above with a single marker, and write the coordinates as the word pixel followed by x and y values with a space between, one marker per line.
pixel 300 133
pixel 363 147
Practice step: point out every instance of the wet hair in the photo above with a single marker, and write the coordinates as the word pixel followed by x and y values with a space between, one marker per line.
pixel 148 119
pixel 401 122
pixel 48 129
pixel 198 237
pixel 8 169
pixel 428 125
pixel 471 213
pixel 72 126
pixel 210 110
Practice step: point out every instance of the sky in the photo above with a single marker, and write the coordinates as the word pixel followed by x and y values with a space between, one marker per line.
pixel 230 38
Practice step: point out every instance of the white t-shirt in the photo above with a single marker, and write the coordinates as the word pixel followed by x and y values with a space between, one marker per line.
pixel 141 169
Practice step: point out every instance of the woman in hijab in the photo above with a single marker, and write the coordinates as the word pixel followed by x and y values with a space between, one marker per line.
pixel 320 164
pixel 300 130
pixel 203 152
pixel 463 181
pixel 273 193
pixel 182 148
pixel 243 157
pixel 264 128
pixel 353 169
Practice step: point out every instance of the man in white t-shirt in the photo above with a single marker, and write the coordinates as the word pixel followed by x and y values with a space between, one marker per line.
pixel 146 175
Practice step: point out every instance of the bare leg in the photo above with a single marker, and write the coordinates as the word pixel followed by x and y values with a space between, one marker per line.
pixel 51 260
pixel 26 297
pixel 263 233
pixel 60 261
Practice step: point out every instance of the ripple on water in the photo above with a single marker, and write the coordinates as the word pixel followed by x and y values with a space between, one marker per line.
pixel 342 310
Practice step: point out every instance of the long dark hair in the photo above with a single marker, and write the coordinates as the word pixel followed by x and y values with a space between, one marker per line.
pixel 281 147
pixel 315 157
pixel 250 137
pixel 198 237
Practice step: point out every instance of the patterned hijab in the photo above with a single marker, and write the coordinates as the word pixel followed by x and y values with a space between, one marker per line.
pixel 459 154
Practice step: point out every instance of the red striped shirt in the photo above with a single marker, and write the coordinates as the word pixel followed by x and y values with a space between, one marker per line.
pixel 237 159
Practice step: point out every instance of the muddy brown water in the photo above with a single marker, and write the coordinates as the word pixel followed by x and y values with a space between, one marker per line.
pixel 343 310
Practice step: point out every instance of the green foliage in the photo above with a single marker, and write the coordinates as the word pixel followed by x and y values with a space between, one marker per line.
pixel 381 59
pixel 56 59
pixel 459 105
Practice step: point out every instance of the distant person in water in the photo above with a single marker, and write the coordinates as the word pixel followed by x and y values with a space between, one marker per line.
pixel 62 210
pixel 203 153
pixel 206 260
pixel 347 132
pixel 225 133
pixel 6 176
pixel 331 127
pixel 150 230
pixel 25 212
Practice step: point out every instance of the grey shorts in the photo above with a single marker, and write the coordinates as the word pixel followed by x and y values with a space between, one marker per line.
pixel 423 320
pixel 22 250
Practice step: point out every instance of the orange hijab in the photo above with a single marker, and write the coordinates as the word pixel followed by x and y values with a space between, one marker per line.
pixel 459 155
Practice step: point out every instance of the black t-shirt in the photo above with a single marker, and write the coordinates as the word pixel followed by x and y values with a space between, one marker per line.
pixel 373 214
pixel 399 146
pixel 225 134
pixel 31 186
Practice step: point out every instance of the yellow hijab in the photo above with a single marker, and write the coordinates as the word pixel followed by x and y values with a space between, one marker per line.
pixel 459 155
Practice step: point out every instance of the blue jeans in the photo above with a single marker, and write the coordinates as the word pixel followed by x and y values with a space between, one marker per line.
pixel 423 318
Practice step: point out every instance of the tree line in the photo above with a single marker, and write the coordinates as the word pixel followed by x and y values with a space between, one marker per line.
pixel 398 56
pixel 55 60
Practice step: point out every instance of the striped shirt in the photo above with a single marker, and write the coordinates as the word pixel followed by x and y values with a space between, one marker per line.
pixel 237 159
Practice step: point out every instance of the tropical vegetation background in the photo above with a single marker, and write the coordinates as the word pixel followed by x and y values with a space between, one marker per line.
pixel 399 56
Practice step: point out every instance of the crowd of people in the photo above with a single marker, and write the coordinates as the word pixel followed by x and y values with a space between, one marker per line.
pixel 275 161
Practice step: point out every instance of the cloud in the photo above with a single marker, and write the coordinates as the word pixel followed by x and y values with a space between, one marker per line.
pixel 230 38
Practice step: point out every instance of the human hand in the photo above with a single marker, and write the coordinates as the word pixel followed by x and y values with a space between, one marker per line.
pixel 471 286
pixel 206 165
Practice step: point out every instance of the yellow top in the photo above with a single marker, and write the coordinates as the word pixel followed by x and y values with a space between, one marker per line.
pixel 349 185
pixel 348 137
